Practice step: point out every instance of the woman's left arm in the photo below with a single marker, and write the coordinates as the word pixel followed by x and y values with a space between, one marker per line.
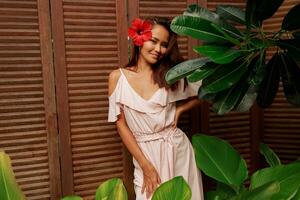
pixel 191 103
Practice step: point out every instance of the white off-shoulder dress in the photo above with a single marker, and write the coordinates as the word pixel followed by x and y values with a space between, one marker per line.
pixel 168 149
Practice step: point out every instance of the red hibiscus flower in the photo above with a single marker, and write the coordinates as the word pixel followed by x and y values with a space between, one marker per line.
pixel 140 31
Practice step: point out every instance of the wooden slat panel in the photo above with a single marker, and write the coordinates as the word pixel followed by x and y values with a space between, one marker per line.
pixel 27 106
pixel 91 52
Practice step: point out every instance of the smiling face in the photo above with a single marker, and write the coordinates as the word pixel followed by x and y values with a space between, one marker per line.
pixel 155 48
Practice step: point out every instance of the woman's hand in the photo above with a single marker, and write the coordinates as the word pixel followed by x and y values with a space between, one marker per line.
pixel 177 115
pixel 151 179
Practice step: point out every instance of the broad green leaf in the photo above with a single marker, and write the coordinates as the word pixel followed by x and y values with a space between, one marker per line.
pixel 291 20
pixel 226 100
pixel 225 77
pixel 288 177
pixel 233 36
pixel 112 189
pixel 203 72
pixel 231 13
pixel 9 188
pixel 259 69
pixel 266 8
pixel 72 198
pixel 195 10
pixel 263 192
pixel 205 14
pixel 292 46
pixel 250 14
pixel 218 54
pixel 174 189
pixel 290 73
pixel 206 96
pixel 297 195
pixel 217 159
pixel 184 69
pixel 269 86
pixel 258 43
pixel 246 102
pixel 296 34
pixel 225 191
pixel 214 195
pixel 270 156
pixel 197 28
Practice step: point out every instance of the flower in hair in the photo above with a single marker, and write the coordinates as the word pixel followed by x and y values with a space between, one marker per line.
pixel 140 31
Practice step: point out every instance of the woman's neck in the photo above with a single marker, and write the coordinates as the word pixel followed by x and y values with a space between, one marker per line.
pixel 143 67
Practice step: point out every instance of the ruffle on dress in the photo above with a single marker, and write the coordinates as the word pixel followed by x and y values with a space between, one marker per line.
pixel 125 95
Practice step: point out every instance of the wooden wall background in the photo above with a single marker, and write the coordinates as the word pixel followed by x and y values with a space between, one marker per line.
pixel 54 60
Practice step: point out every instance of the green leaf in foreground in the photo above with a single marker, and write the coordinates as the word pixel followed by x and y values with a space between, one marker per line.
pixel 9 188
pixel 174 189
pixel 217 159
pixel 112 189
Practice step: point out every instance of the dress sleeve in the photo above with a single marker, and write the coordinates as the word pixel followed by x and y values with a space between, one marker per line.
pixel 114 108
pixel 184 92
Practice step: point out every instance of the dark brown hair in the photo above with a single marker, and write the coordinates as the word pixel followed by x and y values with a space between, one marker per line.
pixel 170 58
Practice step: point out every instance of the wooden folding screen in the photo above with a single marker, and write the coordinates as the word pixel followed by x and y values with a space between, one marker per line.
pixel 89 42
pixel 28 126
pixel 53 110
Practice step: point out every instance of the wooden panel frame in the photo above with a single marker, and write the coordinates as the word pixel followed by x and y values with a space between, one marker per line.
pixel 62 97
pixel 49 97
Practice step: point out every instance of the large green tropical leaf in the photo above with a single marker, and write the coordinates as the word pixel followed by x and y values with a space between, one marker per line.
pixel 195 10
pixel 214 195
pixel 269 86
pixel 263 192
pixel 184 69
pixel 226 100
pixel 197 28
pixel 72 198
pixel 266 8
pixel 220 25
pixel 290 73
pixel 291 20
pixel 9 188
pixel 217 159
pixel 174 189
pixel 297 195
pixel 218 54
pixel 203 72
pixel 296 34
pixel 270 156
pixel 225 76
pixel 292 46
pixel 288 177
pixel 250 13
pixel 231 13
pixel 206 96
pixel 112 189
pixel 246 102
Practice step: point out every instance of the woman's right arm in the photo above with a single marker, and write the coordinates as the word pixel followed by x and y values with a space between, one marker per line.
pixel 151 177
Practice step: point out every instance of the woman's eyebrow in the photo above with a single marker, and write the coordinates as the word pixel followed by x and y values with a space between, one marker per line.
pixel 156 39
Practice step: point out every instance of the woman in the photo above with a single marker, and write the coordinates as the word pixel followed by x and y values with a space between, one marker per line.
pixel 144 109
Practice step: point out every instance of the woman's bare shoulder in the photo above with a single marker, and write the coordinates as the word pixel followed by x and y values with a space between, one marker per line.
pixel 113 80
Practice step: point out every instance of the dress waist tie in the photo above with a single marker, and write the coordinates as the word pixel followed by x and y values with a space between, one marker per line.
pixel 168 154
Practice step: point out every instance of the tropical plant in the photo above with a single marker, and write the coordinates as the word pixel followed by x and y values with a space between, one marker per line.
pixel 113 189
pixel 220 161
pixel 9 188
pixel 234 71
